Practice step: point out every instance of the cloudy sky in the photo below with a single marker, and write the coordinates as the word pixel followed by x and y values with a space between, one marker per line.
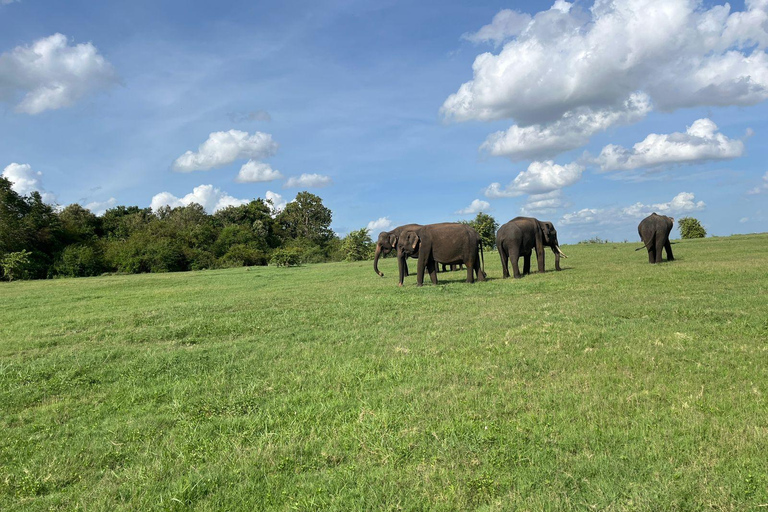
pixel 588 114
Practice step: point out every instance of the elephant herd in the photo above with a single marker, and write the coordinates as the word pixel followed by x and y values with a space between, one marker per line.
pixel 455 244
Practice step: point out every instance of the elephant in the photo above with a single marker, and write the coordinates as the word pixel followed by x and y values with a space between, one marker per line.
pixel 519 237
pixel 654 233
pixel 387 241
pixel 449 243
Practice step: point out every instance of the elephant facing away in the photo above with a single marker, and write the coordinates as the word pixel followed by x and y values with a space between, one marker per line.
pixel 387 241
pixel 654 232
pixel 449 243
pixel 519 237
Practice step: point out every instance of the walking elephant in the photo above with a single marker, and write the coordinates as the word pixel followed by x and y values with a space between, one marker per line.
pixel 388 241
pixel 654 233
pixel 449 243
pixel 519 237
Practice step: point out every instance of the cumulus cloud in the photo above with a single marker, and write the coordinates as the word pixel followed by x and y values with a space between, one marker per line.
pixel 209 197
pixel 682 203
pixel 100 207
pixel 539 204
pixel 307 181
pixel 278 201
pixel 507 23
pixel 763 187
pixel 474 207
pixel 379 225
pixel 24 181
pixel 223 148
pixel 573 130
pixel 539 178
pixel 52 74
pixel 255 172
pixel 700 142
pixel 569 60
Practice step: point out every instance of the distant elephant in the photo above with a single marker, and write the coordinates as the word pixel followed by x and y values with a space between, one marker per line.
pixel 386 242
pixel 519 237
pixel 449 243
pixel 654 233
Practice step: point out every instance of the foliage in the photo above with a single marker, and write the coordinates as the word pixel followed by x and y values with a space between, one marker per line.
pixel 289 257
pixel 358 246
pixel 594 240
pixel 240 255
pixel 486 226
pixel 329 388
pixel 14 264
pixel 691 228
pixel 306 217
pixel 80 260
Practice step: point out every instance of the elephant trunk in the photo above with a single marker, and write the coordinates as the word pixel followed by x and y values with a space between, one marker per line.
pixel 376 260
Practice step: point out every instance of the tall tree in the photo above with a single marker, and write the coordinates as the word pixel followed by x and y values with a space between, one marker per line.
pixel 306 217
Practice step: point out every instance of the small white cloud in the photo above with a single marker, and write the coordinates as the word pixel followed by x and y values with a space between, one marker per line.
pixel 700 142
pixel 380 224
pixel 278 202
pixel 506 24
pixel 743 220
pixel 255 172
pixel 209 197
pixel 763 187
pixel 543 203
pixel 307 181
pixel 99 208
pixel 50 74
pixel 475 206
pixel 223 148
pixel 682 203
pixel 24 181
pixel 539 178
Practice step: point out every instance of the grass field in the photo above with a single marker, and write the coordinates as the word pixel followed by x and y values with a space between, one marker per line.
pixel 612 385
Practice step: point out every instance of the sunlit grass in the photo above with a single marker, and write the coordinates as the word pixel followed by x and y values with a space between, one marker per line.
pixel 613 384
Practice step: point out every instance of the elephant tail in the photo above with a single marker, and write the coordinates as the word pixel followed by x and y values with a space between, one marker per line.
pixel 482 258
pixel 648 244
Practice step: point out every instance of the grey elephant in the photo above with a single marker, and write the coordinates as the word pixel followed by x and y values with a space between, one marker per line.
pixel 449 243
pixel 386 242
pixel 654 233
pixel 519 237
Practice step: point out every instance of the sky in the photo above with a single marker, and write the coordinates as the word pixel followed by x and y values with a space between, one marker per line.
pixel 591 115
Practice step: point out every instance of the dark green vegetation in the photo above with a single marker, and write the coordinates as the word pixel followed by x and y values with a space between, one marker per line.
pixel 691 228
pixel 613 384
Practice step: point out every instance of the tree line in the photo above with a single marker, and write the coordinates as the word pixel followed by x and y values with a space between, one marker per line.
pixel 38 240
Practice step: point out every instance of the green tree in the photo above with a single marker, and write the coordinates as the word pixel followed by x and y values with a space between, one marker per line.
pixel 358 246
pixel 306 217
pixel 691 228
pixel 486 226
pixel 14 264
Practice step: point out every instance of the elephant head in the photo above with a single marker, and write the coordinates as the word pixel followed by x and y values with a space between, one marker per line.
pixel 549 233
pixel 386 242
pixel 408 244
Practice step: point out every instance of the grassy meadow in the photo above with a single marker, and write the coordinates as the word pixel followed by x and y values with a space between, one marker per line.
pixel 612 385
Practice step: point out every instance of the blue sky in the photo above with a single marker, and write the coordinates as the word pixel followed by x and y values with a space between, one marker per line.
pixel 587 114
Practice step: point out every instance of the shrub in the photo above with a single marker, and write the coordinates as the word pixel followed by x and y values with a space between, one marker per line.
pixel 358 246
pixel 242 255
pixel 14 264
pixel 80 260
pixel 594 240
pixel 691 228
pixel 290 257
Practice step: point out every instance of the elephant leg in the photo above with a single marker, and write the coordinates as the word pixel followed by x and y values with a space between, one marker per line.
pixel 515 257
pixel 504 263
pixel 526 264
pixel 480 274
pixel 659 247
pixel 432 270
pixel 420 270
pixel 405 267
pixel 651 255
pixel 668 248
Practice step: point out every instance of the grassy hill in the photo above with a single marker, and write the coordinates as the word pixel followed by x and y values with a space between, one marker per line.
pixel 613 384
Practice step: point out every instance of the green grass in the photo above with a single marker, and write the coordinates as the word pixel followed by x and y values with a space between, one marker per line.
pixel 612 385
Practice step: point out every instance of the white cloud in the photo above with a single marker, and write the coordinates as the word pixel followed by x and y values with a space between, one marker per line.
pixel 24 181
pixel 223 148
pixel 763 187
pixel 209 197
pixel 539 178
pixel 50 74
pixel 700 142
pixel 743 220
pixel 99 208
pixel 476 206
pixel 507 23
pixel 379 225
pixel 684 202
pixel 254 172
pixel 543 203
pixel 571 58
pixel 308 180
pixel 278 202
pixel 571 131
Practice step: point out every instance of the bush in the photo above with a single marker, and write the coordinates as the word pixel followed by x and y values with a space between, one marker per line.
pixel 358 246
pixel 14 264
pixel 691 228
pixel 241 255
pixel 594 240
pixel 80 261
pixel 290 257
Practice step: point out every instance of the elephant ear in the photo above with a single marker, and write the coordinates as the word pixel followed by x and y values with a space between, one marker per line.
pixel 393 240
pixel 411 241
pixel 545 231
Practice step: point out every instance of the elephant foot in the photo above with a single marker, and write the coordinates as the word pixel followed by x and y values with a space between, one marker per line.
pixel 400 284
pixel 518 277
